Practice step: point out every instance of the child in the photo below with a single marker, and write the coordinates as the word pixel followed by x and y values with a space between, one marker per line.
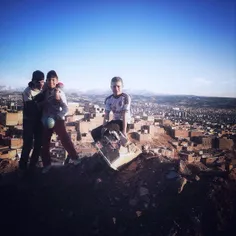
pixel 32 126
pixel 56 107
pixel 119 104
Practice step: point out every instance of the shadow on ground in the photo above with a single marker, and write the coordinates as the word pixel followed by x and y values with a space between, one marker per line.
pixel 92 199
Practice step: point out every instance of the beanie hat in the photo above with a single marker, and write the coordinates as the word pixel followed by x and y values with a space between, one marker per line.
pixel 37 76
pixel 52 74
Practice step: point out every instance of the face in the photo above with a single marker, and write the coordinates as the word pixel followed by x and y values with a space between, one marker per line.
pixel 39 84
pixel 116 88
pixel 52 82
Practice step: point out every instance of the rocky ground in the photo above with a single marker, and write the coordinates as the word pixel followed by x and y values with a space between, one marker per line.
pixel 150 196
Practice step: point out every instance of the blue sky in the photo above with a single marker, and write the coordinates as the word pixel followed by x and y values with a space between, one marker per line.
pixel 170 47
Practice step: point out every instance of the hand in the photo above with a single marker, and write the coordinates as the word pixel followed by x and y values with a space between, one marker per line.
pixel 57 94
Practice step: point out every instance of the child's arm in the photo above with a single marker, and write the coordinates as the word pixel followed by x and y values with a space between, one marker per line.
pixel 40 99
pixel 125 111
pixel 107 112
pixel 106 117
pixel 57 94
pixel 61 98
pixel 124 119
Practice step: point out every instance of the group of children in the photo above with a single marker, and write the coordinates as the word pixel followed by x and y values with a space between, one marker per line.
pixel 44 101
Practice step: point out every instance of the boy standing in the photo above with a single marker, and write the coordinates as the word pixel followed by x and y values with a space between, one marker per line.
pixel 55 107
pixel 32 126
pixel 119 103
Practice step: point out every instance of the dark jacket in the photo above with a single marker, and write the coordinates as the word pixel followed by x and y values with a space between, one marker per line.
pixel 31 101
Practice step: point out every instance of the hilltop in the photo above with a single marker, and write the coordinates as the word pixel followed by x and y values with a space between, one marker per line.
pixel 143 198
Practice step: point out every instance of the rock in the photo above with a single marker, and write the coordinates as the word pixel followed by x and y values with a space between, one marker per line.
pixel 133 202
pixel 172 175
pixel 183 169
pixel 70 214
pixel 143 191
pixel 197 178
pixel 145 148
pixel 232 174
pixel 138 213
pixel 98 180
pixel 183 181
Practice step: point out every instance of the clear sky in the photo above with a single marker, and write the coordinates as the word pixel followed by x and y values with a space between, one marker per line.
pixel 165 46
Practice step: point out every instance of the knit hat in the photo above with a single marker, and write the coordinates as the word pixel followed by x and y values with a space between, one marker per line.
pixel 52 74
pixel 37 76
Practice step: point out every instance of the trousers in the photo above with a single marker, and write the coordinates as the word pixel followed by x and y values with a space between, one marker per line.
pixel 32 139
pixel 60 129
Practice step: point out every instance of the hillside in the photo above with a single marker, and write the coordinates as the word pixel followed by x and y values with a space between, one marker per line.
pixel 141 199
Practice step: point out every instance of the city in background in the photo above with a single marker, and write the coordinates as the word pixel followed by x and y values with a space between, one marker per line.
pixel 194 129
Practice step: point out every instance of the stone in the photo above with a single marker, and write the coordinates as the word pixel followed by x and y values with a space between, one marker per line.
pixel 143 191
pixel 232 174
pixel 183 181
pixel 138 213
pixel 183 169
pixel 172 175
pixel 197 178
pixel 133 202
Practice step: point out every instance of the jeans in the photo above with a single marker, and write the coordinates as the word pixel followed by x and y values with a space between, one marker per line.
pixel 66 142
pixel 32 138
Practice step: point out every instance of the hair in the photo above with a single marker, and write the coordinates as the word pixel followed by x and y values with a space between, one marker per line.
pixel 31 84
pixel 52 74
pixel 37 76
pixel 116 79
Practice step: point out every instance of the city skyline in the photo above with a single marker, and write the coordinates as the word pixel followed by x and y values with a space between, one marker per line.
pixel 164 47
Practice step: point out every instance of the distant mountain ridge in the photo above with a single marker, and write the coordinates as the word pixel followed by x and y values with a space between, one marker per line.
pixel 142 92
pixel 99 92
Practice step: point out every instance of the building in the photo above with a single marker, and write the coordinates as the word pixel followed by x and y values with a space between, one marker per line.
pixel 11 118
pixel 16 143
pixel 74 108
pixel 189 157
pixel 226 143
pixel 74 118
pixel 144 137
pixel 207 142
pixel 195 133
pixel 168 152
pixel 6 152
pixel 203 142
pixel 181 133
pixel 167 122
pixel 152 130
pixel 73 136
pixel 86 125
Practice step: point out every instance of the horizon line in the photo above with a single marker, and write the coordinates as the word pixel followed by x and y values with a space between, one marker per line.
pixel 134 91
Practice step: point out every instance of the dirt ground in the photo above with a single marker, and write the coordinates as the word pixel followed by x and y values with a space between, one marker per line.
pixel 91 199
